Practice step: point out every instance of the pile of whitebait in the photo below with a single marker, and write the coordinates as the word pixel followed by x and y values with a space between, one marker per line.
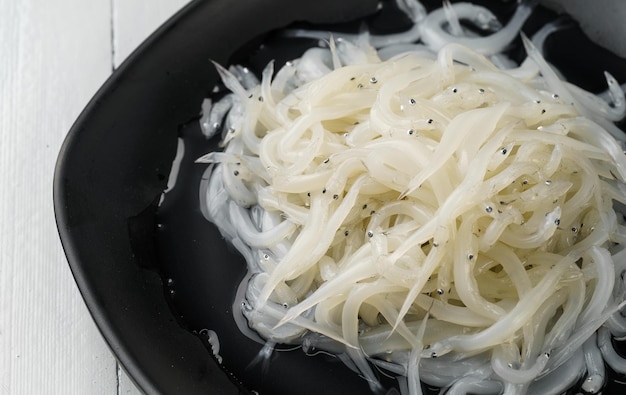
pixel 430 215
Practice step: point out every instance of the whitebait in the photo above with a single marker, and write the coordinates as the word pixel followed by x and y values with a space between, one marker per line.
pixel 435 36
pixel 429 213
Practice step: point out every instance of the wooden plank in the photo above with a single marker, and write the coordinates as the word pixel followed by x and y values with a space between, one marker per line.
pixel 55 55
pixel 133 21
pixel 124 384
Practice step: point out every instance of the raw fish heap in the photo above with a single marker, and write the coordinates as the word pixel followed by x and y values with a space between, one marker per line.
pixel 424 206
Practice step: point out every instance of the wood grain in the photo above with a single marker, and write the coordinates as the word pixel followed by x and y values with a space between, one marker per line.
pixel 135 20
pixel 55 55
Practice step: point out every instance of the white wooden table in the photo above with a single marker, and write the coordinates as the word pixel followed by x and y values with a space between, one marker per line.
pixel 54 55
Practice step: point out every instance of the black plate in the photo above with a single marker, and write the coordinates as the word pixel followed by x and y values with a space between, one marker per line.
pixel 155 276
pixel 114 166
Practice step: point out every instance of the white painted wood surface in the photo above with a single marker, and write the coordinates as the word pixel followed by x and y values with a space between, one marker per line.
pixel 54 55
